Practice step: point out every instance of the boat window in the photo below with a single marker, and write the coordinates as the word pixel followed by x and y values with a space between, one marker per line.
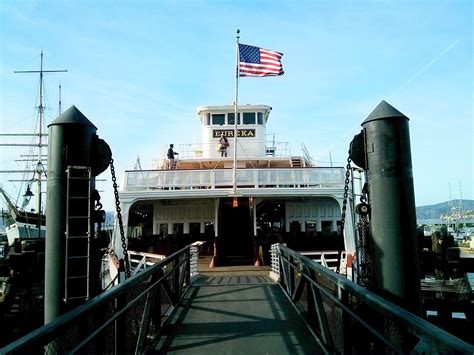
pixel 249 118
pixel 295 227
pixel 259 117
pixel 218 118
pixel 326 227
pixel 310 229
pixel 208 119
pixel 231 118
pixel 163 230
pixel 178 229
pixel 194 231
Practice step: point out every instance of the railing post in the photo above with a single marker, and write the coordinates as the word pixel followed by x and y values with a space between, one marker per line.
pixel 120 326
pixel 346 322
pixel 149 314
pixel 291 275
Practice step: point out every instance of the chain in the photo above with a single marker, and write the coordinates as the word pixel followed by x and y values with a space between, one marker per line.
pixel 346 193
pixel 119 217
pixel 364 254
pixel 344 204
pixel 364 259
pixel 98 209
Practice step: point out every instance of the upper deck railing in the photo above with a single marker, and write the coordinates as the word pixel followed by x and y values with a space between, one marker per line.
pixel 140 180
pixel 195 150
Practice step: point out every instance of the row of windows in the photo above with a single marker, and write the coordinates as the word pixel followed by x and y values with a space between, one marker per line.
pixel 219 119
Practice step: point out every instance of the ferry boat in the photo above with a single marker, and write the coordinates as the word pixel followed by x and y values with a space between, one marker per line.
pixel 260 193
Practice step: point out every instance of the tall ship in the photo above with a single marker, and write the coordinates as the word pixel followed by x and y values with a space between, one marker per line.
pixel 237 192
pixel 24 215
pixel 22 252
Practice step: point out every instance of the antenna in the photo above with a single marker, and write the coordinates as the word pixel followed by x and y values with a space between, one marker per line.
pixel 59 106
pixel 138 165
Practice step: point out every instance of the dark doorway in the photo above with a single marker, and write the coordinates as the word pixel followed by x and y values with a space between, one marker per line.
pixel 236 232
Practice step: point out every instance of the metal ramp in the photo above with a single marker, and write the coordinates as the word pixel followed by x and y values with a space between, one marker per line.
pixel 78 233
pixel 236 315
pixel 169 308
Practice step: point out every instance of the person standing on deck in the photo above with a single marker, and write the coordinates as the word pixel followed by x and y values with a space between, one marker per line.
pixel 171 160
pixel 223 144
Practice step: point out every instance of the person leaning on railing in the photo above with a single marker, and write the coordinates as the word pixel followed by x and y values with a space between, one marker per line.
pixel 170 155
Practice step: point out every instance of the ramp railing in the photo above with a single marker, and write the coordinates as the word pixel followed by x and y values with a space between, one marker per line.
pixel 347 318
pixel 124 319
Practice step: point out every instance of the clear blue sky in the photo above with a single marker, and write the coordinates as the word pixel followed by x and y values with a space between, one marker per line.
pixel 138 70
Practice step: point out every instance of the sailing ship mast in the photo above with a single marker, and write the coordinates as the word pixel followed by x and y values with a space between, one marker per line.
pixel 39 169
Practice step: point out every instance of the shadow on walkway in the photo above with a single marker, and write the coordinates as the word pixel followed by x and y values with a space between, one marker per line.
pixel 236 314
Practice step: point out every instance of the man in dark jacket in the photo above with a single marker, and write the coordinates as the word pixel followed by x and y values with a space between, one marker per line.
pixel 171 160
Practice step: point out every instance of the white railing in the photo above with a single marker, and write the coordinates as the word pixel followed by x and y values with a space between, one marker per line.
pixel 195 150
pixel 193 262
pixel 275 260
pixel 140 261
pixel 327 258
pixel 222 178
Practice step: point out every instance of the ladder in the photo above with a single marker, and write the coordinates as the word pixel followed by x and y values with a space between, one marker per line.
pixel 296 162
pixel 78 234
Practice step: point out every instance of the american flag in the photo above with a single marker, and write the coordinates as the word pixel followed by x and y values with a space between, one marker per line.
pixel 254 61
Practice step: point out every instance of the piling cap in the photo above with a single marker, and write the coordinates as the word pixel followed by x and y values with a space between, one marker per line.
pixel 72 116
pixel 382 111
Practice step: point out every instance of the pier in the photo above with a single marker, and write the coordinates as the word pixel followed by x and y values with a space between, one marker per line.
pixel 178 305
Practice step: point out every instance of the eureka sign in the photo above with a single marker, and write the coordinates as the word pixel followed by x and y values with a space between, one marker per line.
pixel 229 133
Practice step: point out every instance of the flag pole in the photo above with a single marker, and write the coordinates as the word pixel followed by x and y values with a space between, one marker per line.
pixel 236 103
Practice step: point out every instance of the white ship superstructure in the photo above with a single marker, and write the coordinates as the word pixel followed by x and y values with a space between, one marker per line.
pixel 277 196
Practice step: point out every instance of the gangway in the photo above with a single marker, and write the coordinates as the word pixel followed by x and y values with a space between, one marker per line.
pixel 298 307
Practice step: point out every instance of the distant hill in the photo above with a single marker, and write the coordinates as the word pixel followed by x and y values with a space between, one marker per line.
pixel 435 211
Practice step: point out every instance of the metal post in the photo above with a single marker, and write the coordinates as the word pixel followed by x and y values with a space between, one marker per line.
pixel 392 201
pixel 70 139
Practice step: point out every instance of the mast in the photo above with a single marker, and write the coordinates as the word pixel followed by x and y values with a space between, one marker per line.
pixel 236 103
pixel 39 170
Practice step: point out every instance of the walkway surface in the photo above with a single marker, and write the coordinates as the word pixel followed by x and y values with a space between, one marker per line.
pixel 236 310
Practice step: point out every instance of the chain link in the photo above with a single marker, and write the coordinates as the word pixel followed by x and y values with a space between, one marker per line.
pixel 119 217
pixel 344 205
pixel 346 193
pixel 364 256
pixel 363 248
pixel 364 259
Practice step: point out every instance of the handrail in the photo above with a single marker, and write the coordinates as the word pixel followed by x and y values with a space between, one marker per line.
pixel 135 309
pixel 306 155
pixel 366 320
pixel 222 178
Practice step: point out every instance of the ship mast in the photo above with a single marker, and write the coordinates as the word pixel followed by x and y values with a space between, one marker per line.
pixel 39 170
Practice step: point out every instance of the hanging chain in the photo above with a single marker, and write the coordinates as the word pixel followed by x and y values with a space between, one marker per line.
pixel 119 217
pixel 344 206
pixel 364 256
pixel 98 210
pixel 346 193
